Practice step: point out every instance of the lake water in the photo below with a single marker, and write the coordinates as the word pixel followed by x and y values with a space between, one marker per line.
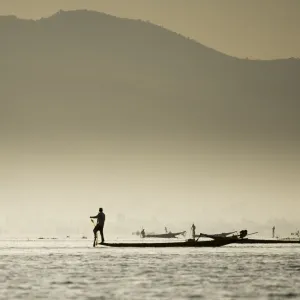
pixel 73 269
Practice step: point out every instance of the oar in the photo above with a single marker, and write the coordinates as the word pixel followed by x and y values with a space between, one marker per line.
pixel 252 233
pixel 96 236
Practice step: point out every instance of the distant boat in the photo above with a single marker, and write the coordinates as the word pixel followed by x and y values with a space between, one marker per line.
pixel 166 235
pixel 296 234
pixel 223 234
pixel 169 235
pixel 242 239
pixel 295 237
pixel 84 237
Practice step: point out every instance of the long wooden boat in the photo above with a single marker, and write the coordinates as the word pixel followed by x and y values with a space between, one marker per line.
pixel 188 243
pixel 261 241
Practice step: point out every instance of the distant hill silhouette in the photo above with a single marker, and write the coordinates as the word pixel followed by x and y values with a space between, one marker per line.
pixel 85 72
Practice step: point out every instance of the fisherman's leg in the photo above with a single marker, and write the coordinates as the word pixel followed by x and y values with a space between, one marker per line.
pixel 101 233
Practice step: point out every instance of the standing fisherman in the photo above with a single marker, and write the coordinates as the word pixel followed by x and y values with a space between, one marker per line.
pixel 193 231
pixel 100 225
pixel 273 232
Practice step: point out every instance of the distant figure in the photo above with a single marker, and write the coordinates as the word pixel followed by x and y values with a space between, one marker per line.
pixel 100 225
pixel 194 231
pixel 166 229
pixel 273 232
pixel 143 233
pixel 243 233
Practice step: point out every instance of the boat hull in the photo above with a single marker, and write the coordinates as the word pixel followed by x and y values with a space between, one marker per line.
pixel 187 244
pixel 258 241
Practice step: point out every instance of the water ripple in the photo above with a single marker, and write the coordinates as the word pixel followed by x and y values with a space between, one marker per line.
pixel 68 270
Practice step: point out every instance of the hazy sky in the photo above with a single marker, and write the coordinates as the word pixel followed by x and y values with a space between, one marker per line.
pixel 257 28
pixel 119 133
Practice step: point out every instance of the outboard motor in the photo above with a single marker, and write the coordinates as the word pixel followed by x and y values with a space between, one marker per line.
pixel 243 233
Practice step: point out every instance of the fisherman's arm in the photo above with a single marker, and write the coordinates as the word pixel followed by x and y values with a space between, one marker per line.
pixel 95 217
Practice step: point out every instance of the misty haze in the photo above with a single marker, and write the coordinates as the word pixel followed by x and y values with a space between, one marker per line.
pixel 103 111
pixel 149 149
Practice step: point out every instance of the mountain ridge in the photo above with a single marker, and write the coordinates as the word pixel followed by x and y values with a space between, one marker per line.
pixel 123 76
pixel 96 13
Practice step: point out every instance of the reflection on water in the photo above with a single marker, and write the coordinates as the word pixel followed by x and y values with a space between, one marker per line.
pixel 73 269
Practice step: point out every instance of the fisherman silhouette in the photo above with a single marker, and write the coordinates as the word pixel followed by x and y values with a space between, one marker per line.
pixel 243 233
pixel 100 225
pixel 193 231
